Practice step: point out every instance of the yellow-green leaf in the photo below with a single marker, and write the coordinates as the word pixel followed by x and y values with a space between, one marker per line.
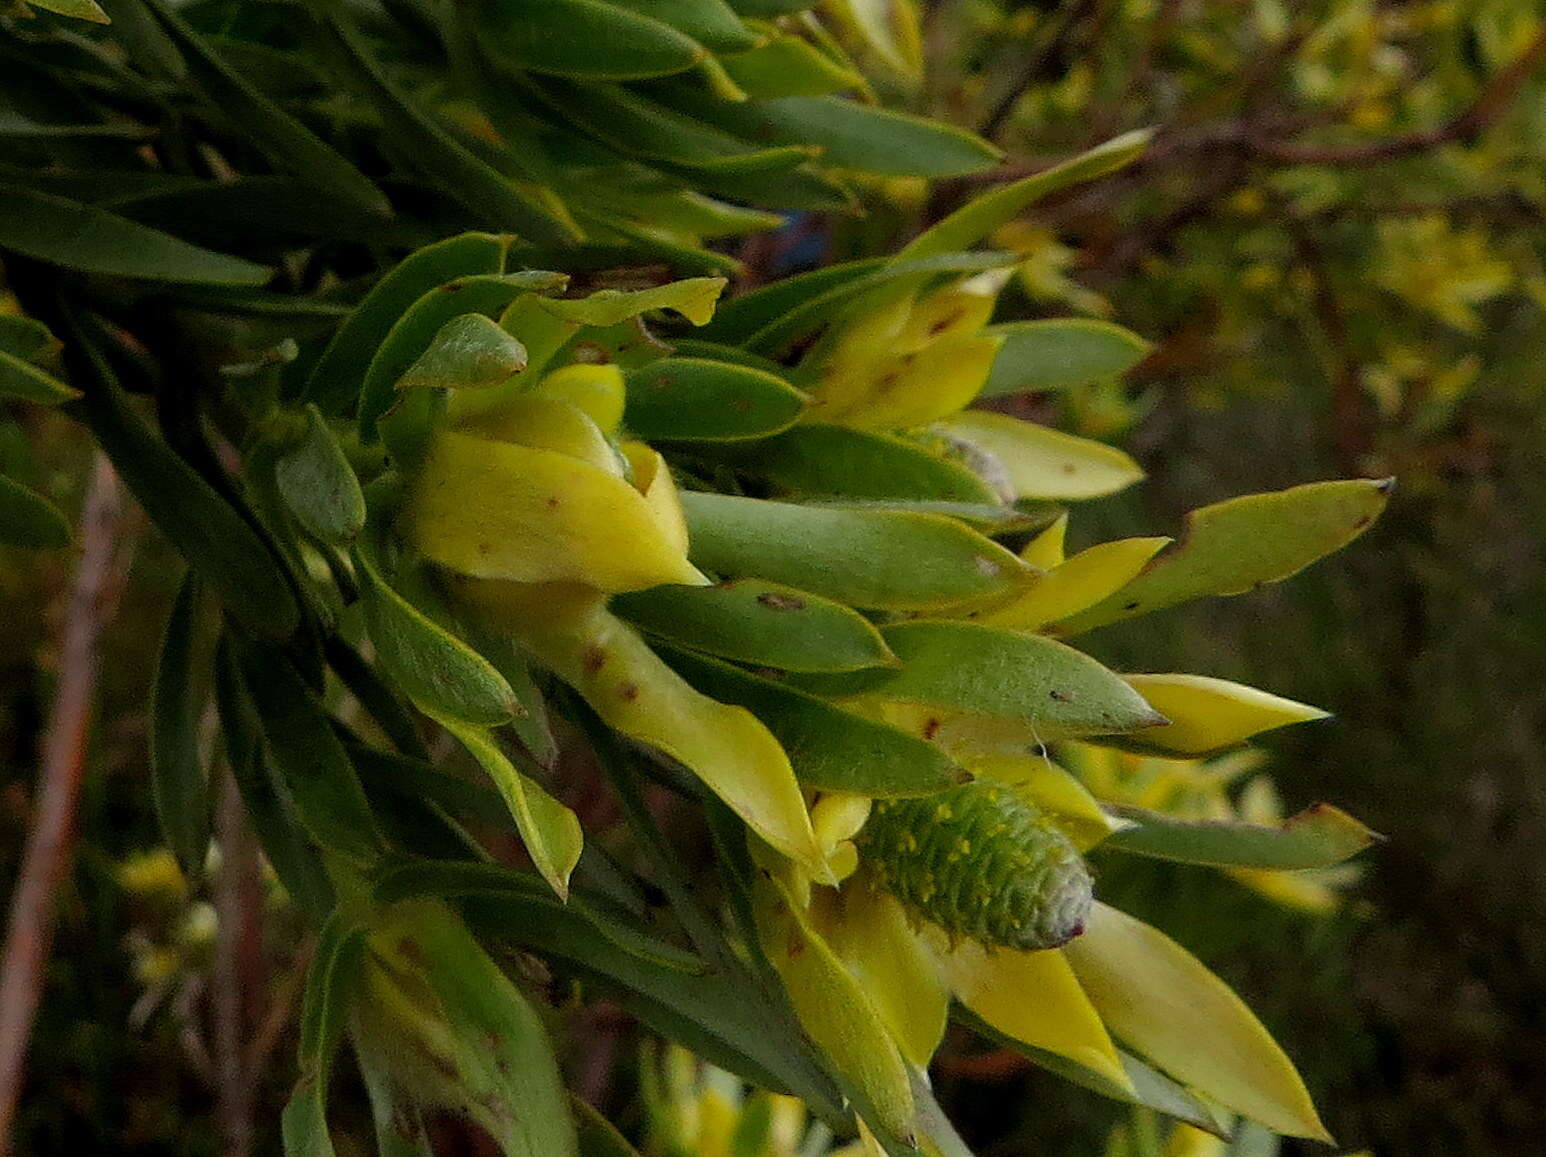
pixel 1055 353
pixel 983 214
pixel 1158 998
pixel 469 352
pixel 693 298
pixel 570 631
pixel 549 829
pixel 1040 462
pixel 1208 715
pixel 1242 543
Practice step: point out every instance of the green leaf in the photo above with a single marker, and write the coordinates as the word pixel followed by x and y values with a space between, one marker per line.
pixel 295 860
pixel 983 214
pixel 21 379
pixel 489 195
pixel 1040 462
pixel 636 126
pixel 550 830
pixel 1059 353
pixel 892 560
pixel 982 671
pixel 25 338
pixel 1317 837
pixel 739 318
pixel 692 399
pixel 836 461
pixel 414 332
pixel 288 144
pixel 213 538
pixel 501 1040
pixel 330 986
pixel 433 667
pixel 1242 543
pixel 715 1015
pixel 312 764
pixel 829 748
pixel 598 1137
pixel 92 240
pixel 178 783
pixel 29 520
pixel 757 622
pixel 788 66
pixel 712 23
pixel 851 135
pixel 336 379
pixel 581 38
pixel 469 352
pixel 319 486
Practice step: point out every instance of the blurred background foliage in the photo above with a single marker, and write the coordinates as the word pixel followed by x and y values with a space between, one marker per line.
pixel 1335 244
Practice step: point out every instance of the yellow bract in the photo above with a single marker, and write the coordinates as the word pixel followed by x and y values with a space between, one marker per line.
pixel 1070 586
pixel 1041 462
pixel 1158 998
pixel 500 510
pixel 900 361
pixel 1207 715
pixel 1033 997
pixel 596 389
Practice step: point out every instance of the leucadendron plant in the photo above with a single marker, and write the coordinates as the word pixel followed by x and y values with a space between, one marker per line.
pixel 523 495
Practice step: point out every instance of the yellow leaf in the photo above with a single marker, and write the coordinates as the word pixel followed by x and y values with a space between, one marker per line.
pixel 596 389
pixel 548 424
pixel 499 510
pixel 958 311
pixel 1045 551
pixel 1207 715
pixel 834 1009
pixel 872 936
pixel 1044 463
pixel 1079 582
pixel 570 631
pixel 1051 788
pixel 1034 998
pixel 1158 998
pixel 652 478
pixel 848 359
pixel 914 389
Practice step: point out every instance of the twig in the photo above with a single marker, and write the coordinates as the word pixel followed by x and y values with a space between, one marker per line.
pixel 238 976
pixel 51 840
pixel 1495 98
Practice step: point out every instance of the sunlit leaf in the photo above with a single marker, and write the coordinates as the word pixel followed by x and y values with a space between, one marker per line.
pixel 1209 715
pixel 1041 462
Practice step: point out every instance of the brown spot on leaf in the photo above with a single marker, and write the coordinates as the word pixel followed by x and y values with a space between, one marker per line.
pixel 930 728
pixel 628 692
pixel 591 354
pixel 593 659
pixel 1059 696
pixel 777 602
pixel 553 502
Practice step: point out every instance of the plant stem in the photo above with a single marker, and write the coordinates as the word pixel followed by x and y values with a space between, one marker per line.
pixel 51 839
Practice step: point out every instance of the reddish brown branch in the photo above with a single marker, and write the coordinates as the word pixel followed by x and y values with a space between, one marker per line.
pixel 239 974
pixel 50 841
